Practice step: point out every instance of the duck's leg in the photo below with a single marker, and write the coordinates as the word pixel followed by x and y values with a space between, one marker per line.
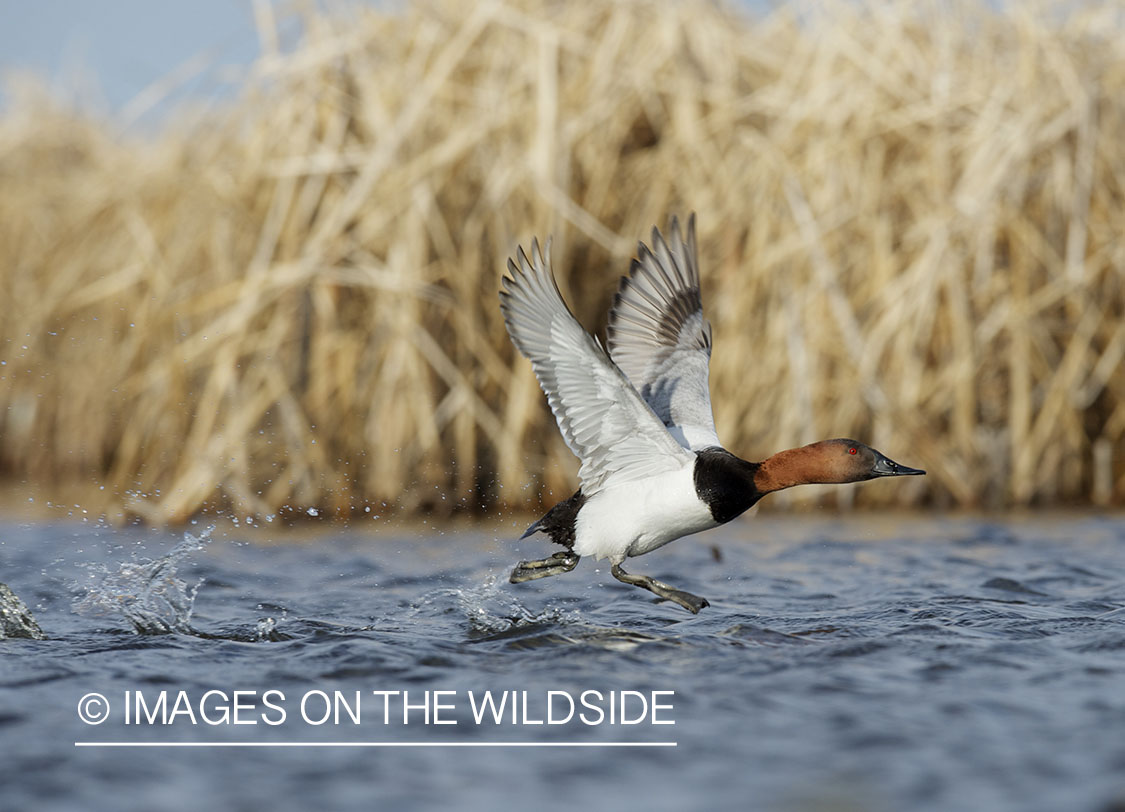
pixel 560 562
pixel 693 603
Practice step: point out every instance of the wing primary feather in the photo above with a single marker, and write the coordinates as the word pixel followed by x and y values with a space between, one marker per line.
pixel 602 418
pixel 659 337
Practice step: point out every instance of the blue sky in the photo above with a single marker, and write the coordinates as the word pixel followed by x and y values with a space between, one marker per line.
pixel 108 51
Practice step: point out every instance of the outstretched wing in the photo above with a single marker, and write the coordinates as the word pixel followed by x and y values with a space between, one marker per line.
pixel 660 340
pixel 601 416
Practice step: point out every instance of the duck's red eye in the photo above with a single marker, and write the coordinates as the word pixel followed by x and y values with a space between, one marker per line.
pixel 851 451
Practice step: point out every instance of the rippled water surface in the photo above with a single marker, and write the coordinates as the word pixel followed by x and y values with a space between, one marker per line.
pixel 866 664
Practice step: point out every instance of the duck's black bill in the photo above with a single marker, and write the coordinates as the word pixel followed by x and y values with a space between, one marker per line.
pixel 888 467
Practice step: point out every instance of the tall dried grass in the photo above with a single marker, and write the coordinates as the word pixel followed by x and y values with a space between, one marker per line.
pixel 910 223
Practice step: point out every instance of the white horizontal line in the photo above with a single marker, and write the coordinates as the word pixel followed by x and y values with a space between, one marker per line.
pixel 375 744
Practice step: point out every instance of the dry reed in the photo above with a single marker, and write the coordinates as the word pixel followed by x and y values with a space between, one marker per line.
pixel 910 223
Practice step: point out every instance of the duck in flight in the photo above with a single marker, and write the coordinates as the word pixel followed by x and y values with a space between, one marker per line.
pixel 638 417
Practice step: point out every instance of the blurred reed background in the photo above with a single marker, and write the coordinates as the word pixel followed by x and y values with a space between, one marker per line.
pixel 910 221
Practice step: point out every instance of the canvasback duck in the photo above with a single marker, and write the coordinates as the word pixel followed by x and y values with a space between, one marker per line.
pixel 639 417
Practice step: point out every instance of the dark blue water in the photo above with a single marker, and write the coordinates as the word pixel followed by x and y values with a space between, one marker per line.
pixel 866 664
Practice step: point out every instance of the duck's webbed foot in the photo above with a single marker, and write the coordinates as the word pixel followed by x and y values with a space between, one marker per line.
pixel 693 603
pixel 560 562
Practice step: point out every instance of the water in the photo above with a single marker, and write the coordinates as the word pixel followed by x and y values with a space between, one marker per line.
pixel 865 664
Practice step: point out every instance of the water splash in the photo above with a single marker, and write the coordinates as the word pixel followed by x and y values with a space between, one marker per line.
pixel 267 632
pixel 146 593
pixel 491 609
pixel 16 619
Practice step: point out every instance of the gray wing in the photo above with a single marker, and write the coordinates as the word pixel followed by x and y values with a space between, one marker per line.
pixel 601 416
pixel 660 340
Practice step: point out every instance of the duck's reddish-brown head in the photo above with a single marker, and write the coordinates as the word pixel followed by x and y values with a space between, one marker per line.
pixel 858 462
pixel 828 462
